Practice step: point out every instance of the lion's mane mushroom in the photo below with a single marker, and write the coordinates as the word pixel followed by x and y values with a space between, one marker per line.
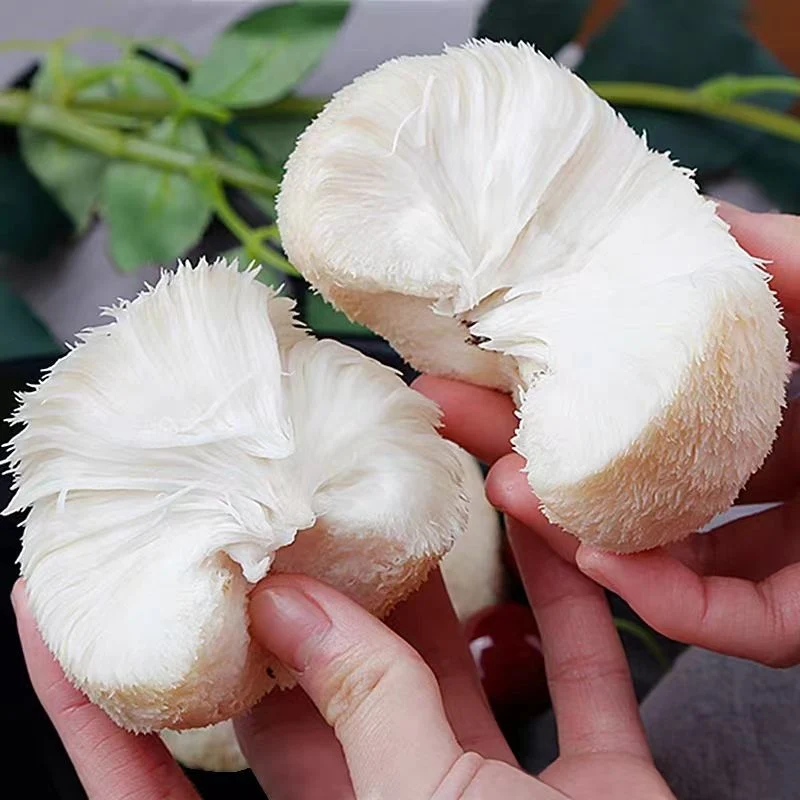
pixel 473 573
pixel 178 454
pixel 499 223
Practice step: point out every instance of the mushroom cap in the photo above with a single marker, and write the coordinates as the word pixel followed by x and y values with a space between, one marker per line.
pixel 176 455
pixel 499 223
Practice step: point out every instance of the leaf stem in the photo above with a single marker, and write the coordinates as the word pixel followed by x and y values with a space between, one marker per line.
pixel 251 239
pixel 124 43
pixel 728 87
pixel 692 101
pixel 179 101
pixel 293 106
pixel 19 108
pixel 655 95
pixel 646 638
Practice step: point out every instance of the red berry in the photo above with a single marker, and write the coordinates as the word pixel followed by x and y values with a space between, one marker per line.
pixel 505 644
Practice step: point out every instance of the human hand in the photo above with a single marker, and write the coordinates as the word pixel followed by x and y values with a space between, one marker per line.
pixel 376 718
pixel 735 590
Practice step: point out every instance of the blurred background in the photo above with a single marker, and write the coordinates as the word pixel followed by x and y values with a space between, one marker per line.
pixel 81 227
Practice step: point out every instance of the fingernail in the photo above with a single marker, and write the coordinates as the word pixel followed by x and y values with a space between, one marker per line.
pixel 594 562
pixel 289 624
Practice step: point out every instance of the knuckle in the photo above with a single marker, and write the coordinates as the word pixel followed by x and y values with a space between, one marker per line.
pixel 781 630
pixel 473 777
pixel 585 668
pixel 357 679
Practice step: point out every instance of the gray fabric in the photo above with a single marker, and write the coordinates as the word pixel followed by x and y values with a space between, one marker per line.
pixel 726 729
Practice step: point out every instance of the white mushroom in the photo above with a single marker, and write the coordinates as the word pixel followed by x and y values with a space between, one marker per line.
pixel 473 573
pixel 499 223
pixel 178 454
pixel 214 748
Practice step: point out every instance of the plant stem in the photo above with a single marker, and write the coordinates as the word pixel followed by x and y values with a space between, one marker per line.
pixel 19 108
pixel 294 107
pixel 124 43
pixel 178 99
pixel 693 101
pixel 646 638
pixel 251 239
pixel 727 87
pixel 655 95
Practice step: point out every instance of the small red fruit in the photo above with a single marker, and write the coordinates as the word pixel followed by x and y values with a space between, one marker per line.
pixel 507 650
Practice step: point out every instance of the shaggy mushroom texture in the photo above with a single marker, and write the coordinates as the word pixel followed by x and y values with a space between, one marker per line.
pixel 178 454
pixel 473 573
pixel 499 223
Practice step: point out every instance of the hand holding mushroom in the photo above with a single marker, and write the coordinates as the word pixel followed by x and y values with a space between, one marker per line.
pixel 736 589
pixel 499 224
pixel 398 715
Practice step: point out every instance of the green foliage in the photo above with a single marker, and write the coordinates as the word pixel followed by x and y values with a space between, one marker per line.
pixel 261 57
pixel 325 320
pixel 684 43
pixel 31 223
pixel 549 24
pixel 157 149
pixel 156 216
pixel 274 139
pixel 72 174
pixel 22 335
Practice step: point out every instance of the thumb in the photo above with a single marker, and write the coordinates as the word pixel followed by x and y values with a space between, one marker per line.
pixel 377 693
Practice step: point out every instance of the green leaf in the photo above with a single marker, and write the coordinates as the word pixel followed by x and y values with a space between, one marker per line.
pixel 31 223
pixel 274 139
pixel 150 84
pixel 155 216
pixel 71 173
pixel 684 43
pixel 228 145
pixel 325 320
pixel 548 24
pixel 22 335
pixel 261 57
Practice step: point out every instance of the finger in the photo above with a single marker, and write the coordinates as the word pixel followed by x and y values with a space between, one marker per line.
pixel 587 672
pixel 370 686
pixel 284 734
pixel 755 620
pixel 752 547
pixel 772 237
pixel 111 763
pixel 507 489
pixel 429 624
pixel 481 420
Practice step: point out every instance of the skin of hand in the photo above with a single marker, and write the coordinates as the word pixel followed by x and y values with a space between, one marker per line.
pixel 390 712
pixel 736 589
